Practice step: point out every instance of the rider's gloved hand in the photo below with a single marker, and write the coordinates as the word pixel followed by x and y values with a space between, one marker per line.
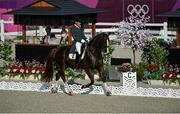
pixel 83 41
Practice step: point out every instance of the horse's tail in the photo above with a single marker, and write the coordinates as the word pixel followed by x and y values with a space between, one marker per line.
pixel 48 74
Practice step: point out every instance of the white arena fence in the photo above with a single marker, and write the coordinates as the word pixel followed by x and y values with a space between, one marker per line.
pixel 120 90
pixel 161 32
pixel 128 88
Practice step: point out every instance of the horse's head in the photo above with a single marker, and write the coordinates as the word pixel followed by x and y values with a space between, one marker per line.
pixel 100 42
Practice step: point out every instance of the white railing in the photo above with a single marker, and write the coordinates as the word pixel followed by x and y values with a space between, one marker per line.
pixel 162 32
pixel 2 22
pixel 105 27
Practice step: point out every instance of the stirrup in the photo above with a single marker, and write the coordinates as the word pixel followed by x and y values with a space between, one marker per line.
pixel 72 56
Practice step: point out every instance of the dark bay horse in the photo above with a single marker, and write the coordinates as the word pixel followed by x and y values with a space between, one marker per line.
pixel 93 59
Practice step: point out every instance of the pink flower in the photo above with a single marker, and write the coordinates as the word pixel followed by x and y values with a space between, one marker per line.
pixel 14 70
pixel 33 71
pixel 170 68
pixel 22 70
pixel 39 70
pixel 166 75
pixel 177 70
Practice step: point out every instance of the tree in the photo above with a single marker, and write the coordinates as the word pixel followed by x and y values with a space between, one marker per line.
pixel 132 33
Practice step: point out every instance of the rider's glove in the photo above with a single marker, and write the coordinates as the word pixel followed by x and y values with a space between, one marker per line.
pixel 83 41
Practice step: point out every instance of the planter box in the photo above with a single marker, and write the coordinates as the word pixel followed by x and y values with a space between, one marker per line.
pixel 113 73
pixel 155 82
pixel 160 82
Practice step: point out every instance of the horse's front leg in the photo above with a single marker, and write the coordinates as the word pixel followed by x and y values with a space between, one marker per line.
pixel 54 88
pixel 103 79
pixel 91 77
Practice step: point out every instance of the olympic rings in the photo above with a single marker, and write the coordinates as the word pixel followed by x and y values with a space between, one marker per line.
pixel 138 10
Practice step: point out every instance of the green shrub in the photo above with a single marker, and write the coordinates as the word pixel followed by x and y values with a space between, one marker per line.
pixel 157 75
pixel 5 50
pixel 140 70
pixel 107 59
pixel 5 56
pixel 74 74
pixel 156 51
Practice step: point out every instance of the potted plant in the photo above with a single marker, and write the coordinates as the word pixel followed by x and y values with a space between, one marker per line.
pixel 125 67
pixel 171 76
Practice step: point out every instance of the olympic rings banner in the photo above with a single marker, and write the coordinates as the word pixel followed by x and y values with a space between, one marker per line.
pixel 138 8
pixel 138 11
pixel 118 10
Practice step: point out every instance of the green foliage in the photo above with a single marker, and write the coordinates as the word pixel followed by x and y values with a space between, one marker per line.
pixel 157 75
pixel 159 55
pixel 5 51
pixel 3 70
pixel 107 59
pixel 19 37
pixel 74 73
pixel 156 51
pixel 63 44
pixel 5 56
pixel 172 42
pixel 140 70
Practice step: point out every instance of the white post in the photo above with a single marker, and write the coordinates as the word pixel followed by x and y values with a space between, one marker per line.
pixel 2 30
pixel 129 83
pixel 165 28
pixel 41 33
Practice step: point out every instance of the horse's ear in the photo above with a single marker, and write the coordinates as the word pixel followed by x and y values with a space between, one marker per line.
pixel 108 34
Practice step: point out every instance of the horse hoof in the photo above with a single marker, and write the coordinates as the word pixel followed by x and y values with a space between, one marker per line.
pixel 54 90
pixel 108 93
pixel 83 86
pixel 70 94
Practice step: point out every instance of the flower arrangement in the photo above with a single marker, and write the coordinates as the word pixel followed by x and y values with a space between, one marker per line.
pixel 154 72
pixel 125 67
pixel 25 69
pixel 153 67
pixel 172 75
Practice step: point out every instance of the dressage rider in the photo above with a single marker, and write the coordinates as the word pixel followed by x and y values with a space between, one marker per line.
pixel 78 38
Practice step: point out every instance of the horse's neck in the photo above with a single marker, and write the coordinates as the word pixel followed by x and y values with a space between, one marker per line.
pixel 93 51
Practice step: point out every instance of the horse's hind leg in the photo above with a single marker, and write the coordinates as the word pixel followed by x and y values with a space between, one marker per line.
pixel 91 77
pixel 67 89
pixel 54 89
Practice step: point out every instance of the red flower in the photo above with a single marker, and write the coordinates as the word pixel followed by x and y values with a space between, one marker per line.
pixel 174 75
pixel 126 67
pixel 153 67
pixel 39 70
pixel 14 69
pixel 28 70
pixel 165 75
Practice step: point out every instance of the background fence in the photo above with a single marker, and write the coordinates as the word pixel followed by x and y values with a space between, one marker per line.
pixel 160 30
